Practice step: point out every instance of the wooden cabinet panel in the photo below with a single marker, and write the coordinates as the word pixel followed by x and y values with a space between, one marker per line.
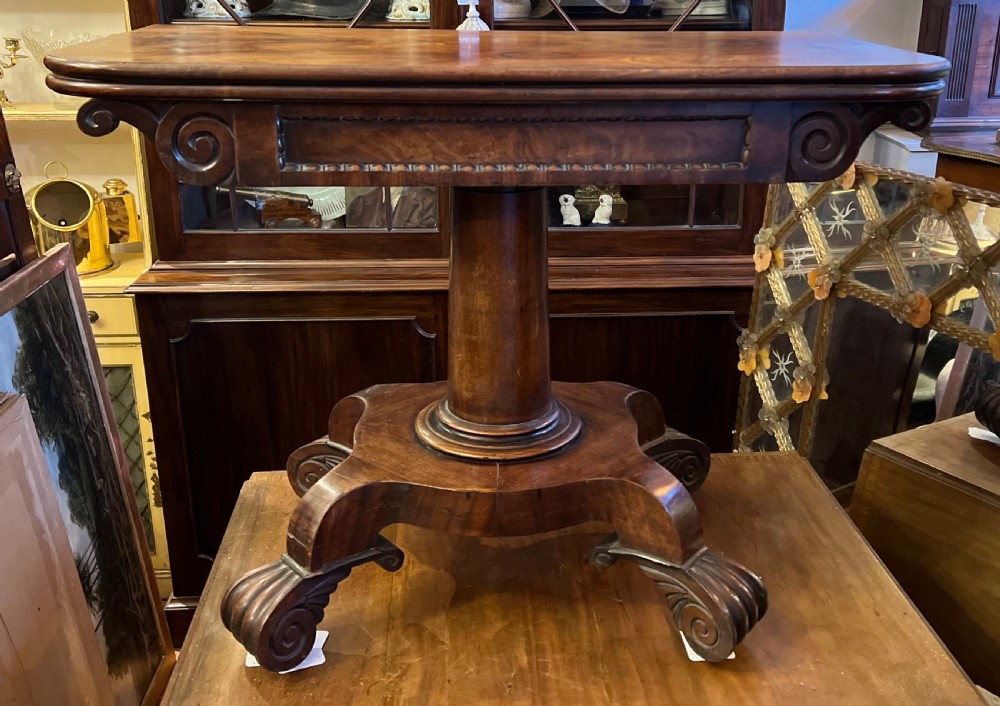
pixel 686 357
pixel 965 32
pixel 984 99
pixel 260 374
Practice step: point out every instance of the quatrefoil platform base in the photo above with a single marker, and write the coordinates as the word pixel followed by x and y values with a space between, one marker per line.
pixel 373 471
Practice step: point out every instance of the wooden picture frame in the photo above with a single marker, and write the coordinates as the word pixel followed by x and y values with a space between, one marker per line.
pixel 48 355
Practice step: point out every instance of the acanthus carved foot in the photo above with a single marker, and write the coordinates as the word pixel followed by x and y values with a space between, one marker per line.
pixel 274 610
pixel 714 601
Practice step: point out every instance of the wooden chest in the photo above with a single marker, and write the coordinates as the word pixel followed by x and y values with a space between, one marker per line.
pixel 928 501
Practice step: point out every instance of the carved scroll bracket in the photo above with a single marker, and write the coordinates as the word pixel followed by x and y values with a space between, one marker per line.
pixel 714 601
pixel 195 141
pixel 99 117
pixel 825 138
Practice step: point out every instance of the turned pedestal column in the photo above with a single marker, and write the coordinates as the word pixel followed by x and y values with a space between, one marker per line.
pixel 499 404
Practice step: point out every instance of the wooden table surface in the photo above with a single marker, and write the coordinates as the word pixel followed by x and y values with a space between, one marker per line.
pixel 314 56
pixel 312 106
pixel 470 621
pixel 976 144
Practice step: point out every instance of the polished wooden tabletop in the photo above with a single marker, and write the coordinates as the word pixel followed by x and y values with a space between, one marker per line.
pixel 527 621
pixel 975 144
pixel 218 53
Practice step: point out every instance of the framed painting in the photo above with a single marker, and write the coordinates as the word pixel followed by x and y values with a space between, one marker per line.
pixel 48 356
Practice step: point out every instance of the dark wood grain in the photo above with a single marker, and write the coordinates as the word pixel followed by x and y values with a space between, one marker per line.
pixel 494 110
pixel 495 499
pixel 389 477
pixel 498 360
pixel 263 372
pixel 641 339
pixel 225 56
pixel 965 32
pixel 928 500
pixel 482 138
pixel 682 272
pixel 497 110
pixel 969 157
pixel 529 622
pixel 599 332
pixel 969 172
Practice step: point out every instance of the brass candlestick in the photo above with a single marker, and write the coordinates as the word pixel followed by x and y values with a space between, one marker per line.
pixel 11 45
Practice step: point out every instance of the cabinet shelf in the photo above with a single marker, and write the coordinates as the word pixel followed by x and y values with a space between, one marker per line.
pixel 41 112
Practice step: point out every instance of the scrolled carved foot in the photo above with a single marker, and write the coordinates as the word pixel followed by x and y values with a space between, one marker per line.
pixel 714 601
pixel 274 610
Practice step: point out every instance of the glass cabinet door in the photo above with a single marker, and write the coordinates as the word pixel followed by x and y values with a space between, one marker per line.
pixel 505 14
pixel 401 13
pixel 310 209
pixel 616 14
pixel 675 206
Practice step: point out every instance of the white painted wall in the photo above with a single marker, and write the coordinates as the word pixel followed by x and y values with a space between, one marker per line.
pixel 892 22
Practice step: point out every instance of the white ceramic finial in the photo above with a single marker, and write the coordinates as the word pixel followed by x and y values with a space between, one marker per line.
pixel 472 21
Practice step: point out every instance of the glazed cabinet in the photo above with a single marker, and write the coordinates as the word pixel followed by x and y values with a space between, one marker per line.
pixel 265 306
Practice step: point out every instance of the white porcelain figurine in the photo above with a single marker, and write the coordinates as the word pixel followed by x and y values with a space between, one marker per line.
pixel 571 217
pixel 602 215
pixel 983 233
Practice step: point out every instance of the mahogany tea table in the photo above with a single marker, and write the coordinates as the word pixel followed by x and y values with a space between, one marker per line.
pixel 499 450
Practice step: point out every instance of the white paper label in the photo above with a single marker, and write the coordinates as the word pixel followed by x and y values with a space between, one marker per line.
pixel 694 656
pixel 984 435
pixel 314 658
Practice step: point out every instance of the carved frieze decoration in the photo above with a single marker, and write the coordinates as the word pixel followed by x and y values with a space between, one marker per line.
pixel 197 141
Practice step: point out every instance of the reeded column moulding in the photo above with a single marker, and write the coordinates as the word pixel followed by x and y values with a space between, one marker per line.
pixel 499 449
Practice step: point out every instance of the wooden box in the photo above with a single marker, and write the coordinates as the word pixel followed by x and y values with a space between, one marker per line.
pixel 928 501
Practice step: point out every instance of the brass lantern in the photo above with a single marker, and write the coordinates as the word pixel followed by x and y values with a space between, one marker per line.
pixel 64 210
pixel 119 207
